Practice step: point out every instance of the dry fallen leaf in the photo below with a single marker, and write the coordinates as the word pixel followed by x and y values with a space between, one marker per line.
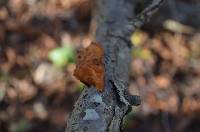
pixel 25 89
pixel 90 68
pixel 162 81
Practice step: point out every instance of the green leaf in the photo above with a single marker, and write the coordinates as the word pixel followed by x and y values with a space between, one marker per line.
pixel 137 38
pixel 80 86
pixel 61 56
pixel 142 53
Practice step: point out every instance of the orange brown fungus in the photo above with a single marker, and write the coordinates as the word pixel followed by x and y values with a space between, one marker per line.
pixel 90 67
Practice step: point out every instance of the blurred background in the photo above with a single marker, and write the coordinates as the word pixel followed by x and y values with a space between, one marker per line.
pixel 39 40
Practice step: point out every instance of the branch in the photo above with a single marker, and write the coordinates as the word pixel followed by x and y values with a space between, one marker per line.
pixel 146 14
pixel 104 111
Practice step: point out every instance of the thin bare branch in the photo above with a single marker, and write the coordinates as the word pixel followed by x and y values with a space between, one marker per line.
pixel 146 14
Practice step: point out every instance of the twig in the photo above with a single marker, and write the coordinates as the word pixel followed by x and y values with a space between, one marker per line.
pixel 146 14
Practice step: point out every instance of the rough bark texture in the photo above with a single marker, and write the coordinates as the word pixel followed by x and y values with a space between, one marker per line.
pixel 104 111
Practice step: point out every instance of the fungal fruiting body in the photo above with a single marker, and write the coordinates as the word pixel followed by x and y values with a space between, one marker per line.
pixel 90 67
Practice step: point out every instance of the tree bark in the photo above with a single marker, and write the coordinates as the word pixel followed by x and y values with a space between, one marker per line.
pixel 104 111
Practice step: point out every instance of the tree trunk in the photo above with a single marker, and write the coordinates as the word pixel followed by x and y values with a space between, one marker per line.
pixel 104 111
